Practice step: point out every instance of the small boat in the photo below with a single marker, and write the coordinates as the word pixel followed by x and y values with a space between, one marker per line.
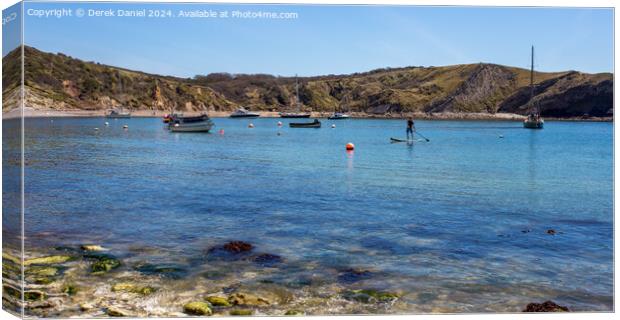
pixel 201 123
pixel 118 114
pixel 533 120
pixel 167 118
pixel 244 113
pixel 338 116
pixel 314 124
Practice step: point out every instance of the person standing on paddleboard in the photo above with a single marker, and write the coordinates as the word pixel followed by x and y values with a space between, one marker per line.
pixel 410 128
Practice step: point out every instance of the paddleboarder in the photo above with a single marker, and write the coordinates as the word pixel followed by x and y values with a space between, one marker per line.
pixel 410 128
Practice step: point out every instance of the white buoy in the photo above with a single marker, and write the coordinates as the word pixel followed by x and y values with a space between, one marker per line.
pixel 96 129
pixel 251 125
pixel 279 123
pixel 125 126
pixel 333 125
pixel 107 123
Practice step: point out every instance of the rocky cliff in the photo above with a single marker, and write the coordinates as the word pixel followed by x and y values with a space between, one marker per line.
pixel 57 81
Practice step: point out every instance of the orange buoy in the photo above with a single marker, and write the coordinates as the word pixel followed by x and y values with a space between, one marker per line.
pixel 221 131
pixel 350 146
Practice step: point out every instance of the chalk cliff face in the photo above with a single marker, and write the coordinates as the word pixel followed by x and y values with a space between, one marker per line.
pixel 57 81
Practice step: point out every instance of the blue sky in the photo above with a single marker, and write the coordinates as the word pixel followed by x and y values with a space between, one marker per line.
pixel 328 39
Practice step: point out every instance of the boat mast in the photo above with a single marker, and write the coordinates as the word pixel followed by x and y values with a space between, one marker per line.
pixel 532 83
pixel 297 94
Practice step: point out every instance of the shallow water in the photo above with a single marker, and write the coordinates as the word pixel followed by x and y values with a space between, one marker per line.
pixel 457 224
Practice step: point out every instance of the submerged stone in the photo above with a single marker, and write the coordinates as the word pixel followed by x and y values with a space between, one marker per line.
pixel 246 299
pixel 267 259
pixel 218 301
pixel 198 308
pixel 547 306
pixel 241 312
pixel 551 232
pixel 294 313
pixel 238 246
pixel 69 289
pixel 41 271
pixel 11 291
pixel 369 296
pixel 117 312
pixel 48 260
pixel 133 288
pixel 354 275
pixel 104 265
pixel 34 295
pixel 165 270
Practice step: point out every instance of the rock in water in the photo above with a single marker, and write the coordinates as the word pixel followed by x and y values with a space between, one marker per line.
pixel 241 312
pixel 92 247
pixel 547 306
pixel 354 275
pixel 267 260
pixel 246 299
pixel 197 308
pixel 218 301
pixel 48 260
pixel 238 246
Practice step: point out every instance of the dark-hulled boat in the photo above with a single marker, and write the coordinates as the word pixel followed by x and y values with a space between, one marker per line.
pixel 201 123
pixel 314 124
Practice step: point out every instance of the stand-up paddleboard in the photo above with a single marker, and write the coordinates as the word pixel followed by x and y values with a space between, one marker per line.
pixel 405 140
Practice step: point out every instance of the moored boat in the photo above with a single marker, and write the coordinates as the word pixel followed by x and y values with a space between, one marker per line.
pixel 314 124
pixel 118 114
pixel 201 123
pixel 244 113
pixel 533 120
pixel 338 116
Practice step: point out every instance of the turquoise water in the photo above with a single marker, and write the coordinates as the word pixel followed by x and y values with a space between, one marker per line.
pixel 461 221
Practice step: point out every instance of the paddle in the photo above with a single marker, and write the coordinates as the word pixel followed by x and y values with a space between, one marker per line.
pixel 425 138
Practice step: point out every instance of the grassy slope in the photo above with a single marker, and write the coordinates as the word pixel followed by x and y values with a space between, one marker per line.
pixel 58 80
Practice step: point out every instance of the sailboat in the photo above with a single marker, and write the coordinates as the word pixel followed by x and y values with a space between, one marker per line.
pixel 298 113
pixel 533 120
pixel 115 113
pixel 339 115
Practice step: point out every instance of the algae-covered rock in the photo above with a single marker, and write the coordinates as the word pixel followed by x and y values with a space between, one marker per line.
pixel 34 295
pixel 12 291
pixel 294 313
pixel 69 289
pixel 41 271
pixel 369 296
pixel 10 257
pixel 133 288
pixel 547 306
pixel 166 270
pixel 86 306
pixel 197 308
pixel 117 312
pixel 246 299
pixel 241 312
pixel 218 301
pixel 48 260
pixel 104 263
pixel 92 247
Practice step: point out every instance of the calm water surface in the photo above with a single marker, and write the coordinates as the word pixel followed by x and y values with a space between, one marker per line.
pixel 461 221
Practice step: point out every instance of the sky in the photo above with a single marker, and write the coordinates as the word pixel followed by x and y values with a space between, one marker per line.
pixel 323 39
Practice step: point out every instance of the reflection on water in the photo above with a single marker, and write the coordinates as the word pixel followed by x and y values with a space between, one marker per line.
pixel 445 233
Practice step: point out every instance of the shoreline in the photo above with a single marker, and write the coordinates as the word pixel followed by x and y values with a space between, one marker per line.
pixel 447 116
